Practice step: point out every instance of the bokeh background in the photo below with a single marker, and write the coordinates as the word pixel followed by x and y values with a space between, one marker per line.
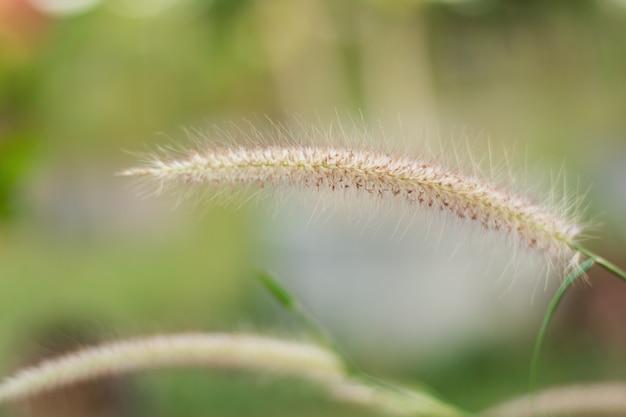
pixel 83 258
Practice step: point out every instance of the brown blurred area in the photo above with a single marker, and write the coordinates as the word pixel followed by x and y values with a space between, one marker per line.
pixel 104 397
pixel 597 308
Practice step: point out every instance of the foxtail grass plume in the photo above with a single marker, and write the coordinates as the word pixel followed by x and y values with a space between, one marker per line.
pixel 211 350
pixel 412 182
pixel 221 351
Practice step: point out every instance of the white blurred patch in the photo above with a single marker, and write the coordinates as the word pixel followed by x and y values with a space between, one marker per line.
pixel 64 7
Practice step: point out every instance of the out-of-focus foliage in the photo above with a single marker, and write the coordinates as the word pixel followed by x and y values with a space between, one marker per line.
pixel 79 85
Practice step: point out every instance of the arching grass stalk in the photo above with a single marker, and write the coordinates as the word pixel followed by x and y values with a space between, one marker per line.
pixel 387 177
pixel 223 351
pixel 219 351
pixel 414 182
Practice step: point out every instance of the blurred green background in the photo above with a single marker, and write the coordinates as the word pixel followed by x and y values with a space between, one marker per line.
pixel 82 256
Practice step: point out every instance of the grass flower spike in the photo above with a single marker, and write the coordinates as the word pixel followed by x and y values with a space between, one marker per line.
pixel 209 350
pixel 222 351
pixel 385 176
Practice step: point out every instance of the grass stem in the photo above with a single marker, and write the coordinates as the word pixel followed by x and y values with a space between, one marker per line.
pixel 556 300
pixel 609 266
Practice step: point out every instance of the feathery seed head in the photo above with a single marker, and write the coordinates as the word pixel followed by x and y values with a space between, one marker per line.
pixel 218 351
pixel 384 176
pixel 237 351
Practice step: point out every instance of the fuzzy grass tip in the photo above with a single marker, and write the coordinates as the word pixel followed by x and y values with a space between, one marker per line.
pixel 387 177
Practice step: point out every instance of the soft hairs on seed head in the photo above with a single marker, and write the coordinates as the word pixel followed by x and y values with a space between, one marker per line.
pixel 384 176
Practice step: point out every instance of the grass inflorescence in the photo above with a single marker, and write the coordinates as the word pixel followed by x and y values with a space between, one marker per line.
pixel 218 352
pixel 414 183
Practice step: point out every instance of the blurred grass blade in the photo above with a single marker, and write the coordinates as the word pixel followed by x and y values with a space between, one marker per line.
pixel 279 293
pixel 422 402
pixel 291 304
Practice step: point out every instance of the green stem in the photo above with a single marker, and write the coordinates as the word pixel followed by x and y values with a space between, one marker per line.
pixel 580 271
pixel 558 296
pixel 291 304
pixel 600 261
